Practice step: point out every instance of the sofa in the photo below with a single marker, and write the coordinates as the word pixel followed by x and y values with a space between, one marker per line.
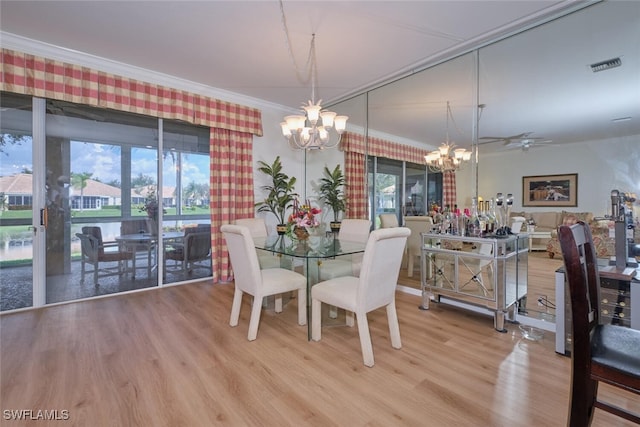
pixel 550 221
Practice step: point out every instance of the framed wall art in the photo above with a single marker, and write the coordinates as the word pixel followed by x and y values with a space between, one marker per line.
pixel 550 190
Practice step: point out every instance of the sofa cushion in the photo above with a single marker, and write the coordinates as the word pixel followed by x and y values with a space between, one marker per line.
pixel 545 221
pixel 587 217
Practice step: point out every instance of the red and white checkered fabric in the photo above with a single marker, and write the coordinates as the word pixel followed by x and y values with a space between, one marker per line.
pixel 231 192
pixel 231 135
pixel 449 188
pixel 46 78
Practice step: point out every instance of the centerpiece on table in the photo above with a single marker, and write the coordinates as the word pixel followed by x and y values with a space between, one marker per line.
pixel 302 219
pixel 152 207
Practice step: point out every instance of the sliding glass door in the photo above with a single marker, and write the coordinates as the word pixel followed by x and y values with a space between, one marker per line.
pixel 105 194
pixel 16 202
pixel 400 188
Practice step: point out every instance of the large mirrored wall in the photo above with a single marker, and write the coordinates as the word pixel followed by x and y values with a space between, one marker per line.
pixel 539 84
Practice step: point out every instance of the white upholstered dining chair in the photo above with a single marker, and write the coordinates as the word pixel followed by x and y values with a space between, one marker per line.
pixel 375 288
pixel 353 230
pixel 388 220
pixel 258 228
pixel 417 225
pixel 257 282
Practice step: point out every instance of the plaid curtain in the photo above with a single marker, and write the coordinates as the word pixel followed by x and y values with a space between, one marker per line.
pixel 232 126
pixel 231 192
pixel 449 188
pixel 356 149
pixel 355 162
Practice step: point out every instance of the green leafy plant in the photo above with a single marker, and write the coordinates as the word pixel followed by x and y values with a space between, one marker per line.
pixel 332 190
pixel 280 192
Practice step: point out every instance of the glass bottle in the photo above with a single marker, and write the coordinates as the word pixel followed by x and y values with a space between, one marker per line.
pixel 491 214
pixel 446 220
pixel 482 218
pixel 475 229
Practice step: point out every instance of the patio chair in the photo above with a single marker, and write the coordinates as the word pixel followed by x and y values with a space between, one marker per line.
pixel 96 252
pixel 192 251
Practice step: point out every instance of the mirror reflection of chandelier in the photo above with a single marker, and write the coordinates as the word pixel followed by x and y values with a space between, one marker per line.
pixel 317 128
pixel 447 158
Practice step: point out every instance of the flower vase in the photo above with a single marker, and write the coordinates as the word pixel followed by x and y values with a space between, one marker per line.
pixel 301 233
pixel 152 226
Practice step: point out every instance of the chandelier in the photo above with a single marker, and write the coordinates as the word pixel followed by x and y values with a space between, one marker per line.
pixel 447 158
pixel 317 128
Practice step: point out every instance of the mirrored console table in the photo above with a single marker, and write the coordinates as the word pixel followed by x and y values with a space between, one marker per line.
pixel 489 272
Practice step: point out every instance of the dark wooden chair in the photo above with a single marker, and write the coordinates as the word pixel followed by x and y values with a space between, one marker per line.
pixel 195 248
pixel 94 252
pixel 601 353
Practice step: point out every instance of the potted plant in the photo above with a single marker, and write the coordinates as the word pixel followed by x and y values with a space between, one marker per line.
pixel 280 194
pixel 332 193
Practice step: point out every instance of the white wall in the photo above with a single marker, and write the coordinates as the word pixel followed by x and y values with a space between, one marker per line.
pixel 601 167
pixel 273 144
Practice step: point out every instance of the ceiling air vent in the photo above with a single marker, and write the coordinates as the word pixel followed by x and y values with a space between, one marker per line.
pixel 605 65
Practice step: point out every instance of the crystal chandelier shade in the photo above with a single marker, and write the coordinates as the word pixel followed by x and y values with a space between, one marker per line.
pixel 316 128
pixel 447 158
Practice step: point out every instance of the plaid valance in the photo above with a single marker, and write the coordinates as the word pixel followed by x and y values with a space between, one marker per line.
pixel 46 78
pixel 378 147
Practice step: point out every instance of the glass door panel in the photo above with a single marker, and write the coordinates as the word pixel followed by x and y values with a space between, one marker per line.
pixel 385 188
pixel 415 190
pixel 88 162
pixel 16 199
pixel 186 186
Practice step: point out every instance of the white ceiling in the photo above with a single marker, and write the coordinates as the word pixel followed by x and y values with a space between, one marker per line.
pixel 240 46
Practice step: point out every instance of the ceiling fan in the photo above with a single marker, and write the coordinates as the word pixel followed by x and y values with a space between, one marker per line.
pixel 521 140
pixel 527 143
pixel 505 139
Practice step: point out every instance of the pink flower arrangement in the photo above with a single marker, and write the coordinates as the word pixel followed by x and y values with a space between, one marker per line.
pixel 303 216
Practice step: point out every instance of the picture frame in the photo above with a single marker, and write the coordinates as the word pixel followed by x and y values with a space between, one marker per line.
pixel 550 190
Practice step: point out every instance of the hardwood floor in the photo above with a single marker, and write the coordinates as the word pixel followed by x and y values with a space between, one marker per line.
pixel 168 357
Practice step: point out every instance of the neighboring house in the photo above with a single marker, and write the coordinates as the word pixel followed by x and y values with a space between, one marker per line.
pixel 95 195
pixel 138 196
pixel 15 190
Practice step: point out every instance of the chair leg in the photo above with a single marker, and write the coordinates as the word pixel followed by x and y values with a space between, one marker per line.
pixel 316 319
pixel 278 303
pixel 254 321
pixel 333 312
pixel 365 339
pixel 584 392
pixel 82 267
pixel 95 274
pixel 349 318
pixel 235 308
pixel 302 307
pixel 394 328
pixel 410 265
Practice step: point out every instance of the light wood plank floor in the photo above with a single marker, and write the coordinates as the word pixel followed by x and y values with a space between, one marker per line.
pixel 168 357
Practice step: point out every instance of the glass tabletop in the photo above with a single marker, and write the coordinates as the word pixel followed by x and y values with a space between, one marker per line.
pixel 328 246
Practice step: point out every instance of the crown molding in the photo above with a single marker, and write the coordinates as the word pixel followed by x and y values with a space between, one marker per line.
pixel 58 53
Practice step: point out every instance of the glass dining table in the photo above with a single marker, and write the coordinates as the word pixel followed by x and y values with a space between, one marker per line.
pixel 309 255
